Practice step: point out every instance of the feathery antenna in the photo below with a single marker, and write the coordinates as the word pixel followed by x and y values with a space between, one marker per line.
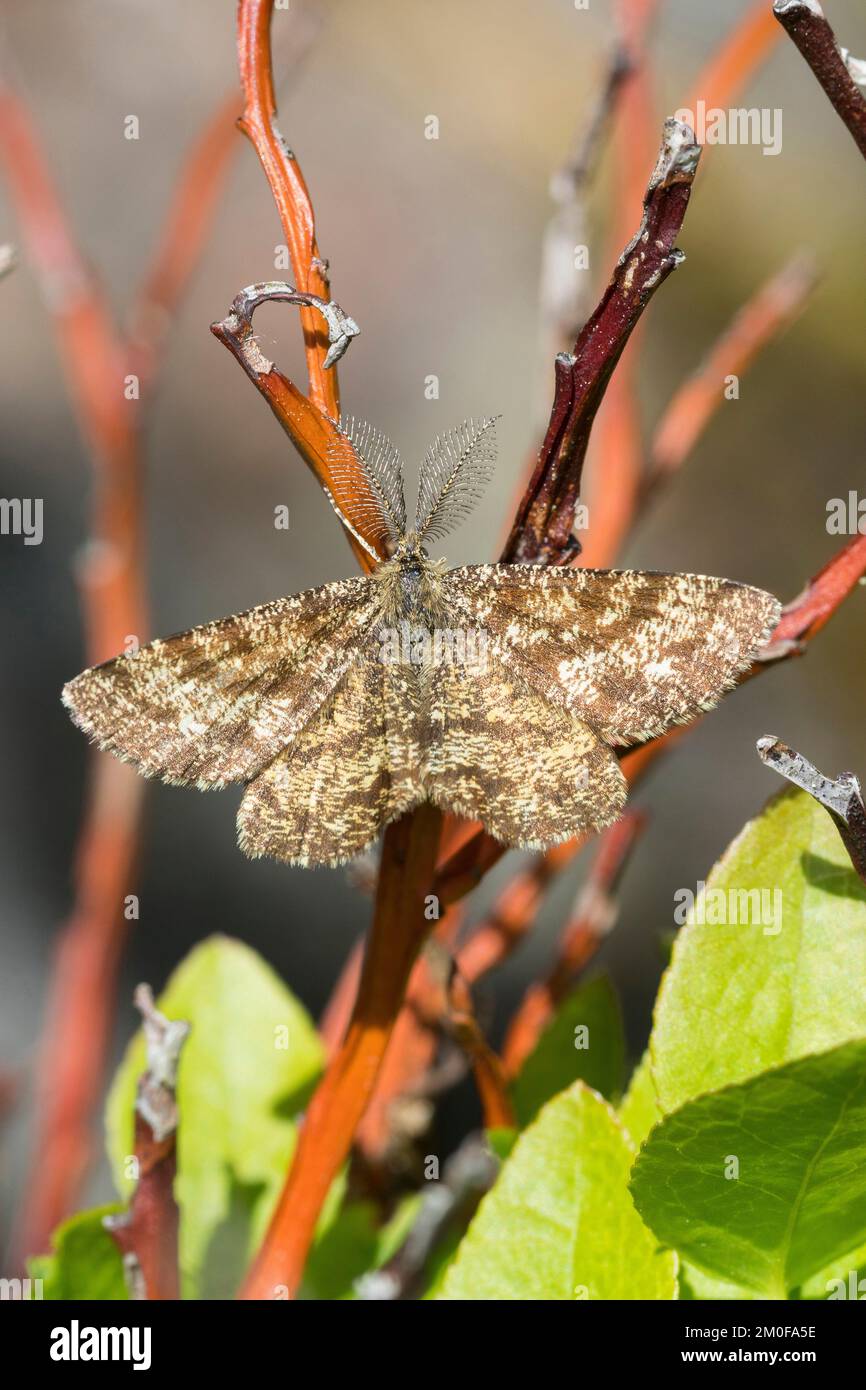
pixel 364 455
pixel 454 472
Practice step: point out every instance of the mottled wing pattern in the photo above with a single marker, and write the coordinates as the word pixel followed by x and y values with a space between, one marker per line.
pixel 497 752
pixel 216 704
pixel 351 770
pixel 631 652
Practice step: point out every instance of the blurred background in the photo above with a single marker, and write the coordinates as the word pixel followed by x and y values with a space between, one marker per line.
pixel 434 248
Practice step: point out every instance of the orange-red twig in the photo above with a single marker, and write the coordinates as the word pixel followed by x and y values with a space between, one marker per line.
pixel 734 63
pixel 804 617
pixel 410 846
pixel 514 911
pixel 400 928
pixel 182 239
pixel 97 360
pixel 594 916
pixel 762 319
pixel 259 124
pixel 80 1003
pixel 490 1079
pixel 411 1050
pixel 614 489
pixel 311 430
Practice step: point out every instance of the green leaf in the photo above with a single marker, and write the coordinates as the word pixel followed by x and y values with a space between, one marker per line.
pixel 843 1278
pixel 559 1222
pixel 439 1264
pixel 639 1112
pixel 763 1183
pixel 247 1067
pixel 352 1243
pixel 501 1141
pixel 343 1251
pixel 639 1109
pixel 739 999
pixel 583 1042
pixel 85 1263
pixel 696 1286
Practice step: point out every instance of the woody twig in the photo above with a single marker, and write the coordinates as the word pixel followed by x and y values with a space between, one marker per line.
pixel 593 917
pixel 100 362
pixel 760 321
pixel 147 1234
pixel 290 193
pixel 842 77
pixel 543 530
pixel 466 1176
pixel 841 797
pixel 617 447
pixel 624 103
pixel 400 926
pixel 614 478
pixel 310 429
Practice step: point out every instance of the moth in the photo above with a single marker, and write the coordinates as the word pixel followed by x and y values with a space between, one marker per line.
pixel 499 692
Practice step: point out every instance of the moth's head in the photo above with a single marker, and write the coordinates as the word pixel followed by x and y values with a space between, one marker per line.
pixel 409 552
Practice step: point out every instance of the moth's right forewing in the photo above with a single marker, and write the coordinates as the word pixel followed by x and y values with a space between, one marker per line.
pixel 217 703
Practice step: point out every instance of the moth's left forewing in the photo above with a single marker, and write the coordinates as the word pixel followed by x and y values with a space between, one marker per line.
pixel 631 651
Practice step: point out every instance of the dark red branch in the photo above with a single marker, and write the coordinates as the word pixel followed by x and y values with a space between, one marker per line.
pixel 542 532
pixel 802 619
pixel 805 23
pixel 147 1234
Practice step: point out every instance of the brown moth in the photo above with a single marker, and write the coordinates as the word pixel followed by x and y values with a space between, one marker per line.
pixel 496 691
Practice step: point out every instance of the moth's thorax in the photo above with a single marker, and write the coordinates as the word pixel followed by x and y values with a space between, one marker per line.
pixel 411 585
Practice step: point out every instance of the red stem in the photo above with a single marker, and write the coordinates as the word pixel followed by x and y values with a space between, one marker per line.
pixel 808 28
pixel 400 928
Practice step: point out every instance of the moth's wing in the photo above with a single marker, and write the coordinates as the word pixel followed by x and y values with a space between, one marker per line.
pixel 631 652
pixel 497 752
pixel 350 771
pixel 217 703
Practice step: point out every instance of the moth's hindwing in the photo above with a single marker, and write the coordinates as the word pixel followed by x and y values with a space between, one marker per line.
pixel 216 704
pixel 497 752
pixel 630 652
pixel 351 770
